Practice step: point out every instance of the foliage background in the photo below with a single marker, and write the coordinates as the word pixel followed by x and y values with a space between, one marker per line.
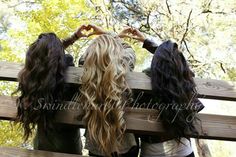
pixel 204 29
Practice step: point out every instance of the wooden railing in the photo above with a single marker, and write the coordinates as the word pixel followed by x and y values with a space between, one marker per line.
pixel 139 120
pixel 206 88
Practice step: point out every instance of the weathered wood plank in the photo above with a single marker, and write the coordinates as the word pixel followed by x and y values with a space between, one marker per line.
pixel 207 88
pixel 216 89
pixel 17 152
pixel 9 71
pixel 7 107
pixel 142 121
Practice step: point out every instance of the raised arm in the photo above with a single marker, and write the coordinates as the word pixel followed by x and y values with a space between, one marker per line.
pixel 150 45
pixel 137 35
pixel 75 36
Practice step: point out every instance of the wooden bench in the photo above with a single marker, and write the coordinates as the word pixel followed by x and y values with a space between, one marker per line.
pixel 137 120
pixel 18 152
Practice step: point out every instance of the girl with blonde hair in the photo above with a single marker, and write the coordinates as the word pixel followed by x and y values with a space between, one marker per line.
pixel 104 94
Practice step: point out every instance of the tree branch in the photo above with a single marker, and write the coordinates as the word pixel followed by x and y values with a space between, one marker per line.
pixel 150 27
pixel 127 7
pixel 191 55
pixel 168 7
pixel 211 12
pixel 187 26
pixel 221 66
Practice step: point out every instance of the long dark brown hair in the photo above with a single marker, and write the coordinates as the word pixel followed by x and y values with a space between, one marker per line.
pixel 173 84
pixel 41 82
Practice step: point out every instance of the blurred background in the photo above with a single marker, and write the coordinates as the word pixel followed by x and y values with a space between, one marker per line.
pixel 205 31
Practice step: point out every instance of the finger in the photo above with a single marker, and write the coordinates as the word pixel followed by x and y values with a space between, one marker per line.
pixel 135 31
pixel 137 38
pixel 82 27
pixel 129 36
pixel 90 26
pixel 128 30
pixel 84 35
pixel 91 34
pixel 125 36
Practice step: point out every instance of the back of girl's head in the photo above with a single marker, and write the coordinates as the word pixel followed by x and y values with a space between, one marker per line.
pixel 103 92
pixel 172 82
pixel 128 55
pixel 41 80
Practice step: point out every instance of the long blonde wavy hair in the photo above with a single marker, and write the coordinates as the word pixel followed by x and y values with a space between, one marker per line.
pixel 104 92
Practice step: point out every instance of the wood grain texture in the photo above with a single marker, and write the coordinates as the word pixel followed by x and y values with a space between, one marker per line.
pixel 7 108
pixel 9 71
pixel 142 121
pixel 17 152
pixel 207 88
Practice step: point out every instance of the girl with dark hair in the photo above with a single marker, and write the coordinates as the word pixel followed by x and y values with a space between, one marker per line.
pixel 172 86
pixel 42 82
